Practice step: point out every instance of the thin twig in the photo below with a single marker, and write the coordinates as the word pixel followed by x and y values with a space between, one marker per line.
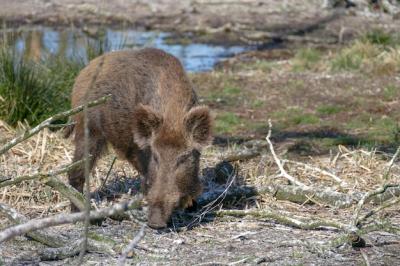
pixel 87 164
pixel 131 245
pixel 365 258
pixel 61 125
pixel 391 162
pixel 214 203
pixel 108 174
pixel 306 166
pixel 278 162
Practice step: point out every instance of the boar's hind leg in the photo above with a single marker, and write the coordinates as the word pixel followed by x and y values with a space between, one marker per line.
pixel 76 177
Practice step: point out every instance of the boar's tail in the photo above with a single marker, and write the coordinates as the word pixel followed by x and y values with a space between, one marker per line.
pixel 67 131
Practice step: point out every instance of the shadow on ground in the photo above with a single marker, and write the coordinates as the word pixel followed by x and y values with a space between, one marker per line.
pixel 217 182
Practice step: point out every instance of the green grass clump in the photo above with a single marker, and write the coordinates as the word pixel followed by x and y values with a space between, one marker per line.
pixel 384 130
pixel 352 58
pixel 296 116
pixel 96 48
pixel 227 122
pixel 258 65
pixel 303 119
pixel 230 90
pixel 378 129
pixel 228 93
pixel 391 92
pixel 377 54
pixel 26 93
pixel 32 91
pixel 380 37
pixel 306 59
pixel 328 109
pixel 257 103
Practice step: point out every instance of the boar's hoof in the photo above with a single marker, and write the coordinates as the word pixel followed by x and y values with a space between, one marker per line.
pixel 186 202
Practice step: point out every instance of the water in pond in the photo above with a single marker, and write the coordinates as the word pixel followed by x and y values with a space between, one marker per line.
pixel 195 57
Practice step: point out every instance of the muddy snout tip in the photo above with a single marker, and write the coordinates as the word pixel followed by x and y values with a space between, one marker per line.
pixel 156 226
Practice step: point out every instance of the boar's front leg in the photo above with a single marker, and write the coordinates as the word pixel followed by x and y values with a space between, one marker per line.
pixel 96 143
pixel 139 158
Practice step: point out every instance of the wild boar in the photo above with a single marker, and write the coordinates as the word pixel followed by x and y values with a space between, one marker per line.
pixel 152 119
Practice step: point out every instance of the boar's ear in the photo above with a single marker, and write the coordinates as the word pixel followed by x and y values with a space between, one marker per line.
pixel 198 123
pixel 146 121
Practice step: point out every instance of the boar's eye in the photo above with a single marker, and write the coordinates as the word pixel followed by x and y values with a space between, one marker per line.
pixel 194 154
pixel 183 158
pixel 155 157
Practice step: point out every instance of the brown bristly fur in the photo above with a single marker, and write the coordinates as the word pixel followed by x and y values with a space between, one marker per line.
pixel 152 120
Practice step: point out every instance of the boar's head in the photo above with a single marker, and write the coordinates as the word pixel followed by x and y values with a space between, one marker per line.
pixel 172 146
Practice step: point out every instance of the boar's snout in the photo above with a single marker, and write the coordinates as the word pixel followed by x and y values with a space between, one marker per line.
pixel 158 216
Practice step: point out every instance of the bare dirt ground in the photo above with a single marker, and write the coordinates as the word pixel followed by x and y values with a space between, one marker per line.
pixel 252 91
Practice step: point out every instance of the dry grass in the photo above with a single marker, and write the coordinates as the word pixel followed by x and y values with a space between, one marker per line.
pixel 44 152
pixel 362 170
pixel 361 55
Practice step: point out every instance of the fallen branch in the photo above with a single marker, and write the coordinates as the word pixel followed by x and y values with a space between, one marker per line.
pixel 309 224
pixel 41 236
pixel 37 224
pixel 46 123
pixel 281 192
pixel 301 195
pixel 297 195
pixel 59 248
pixel 108 173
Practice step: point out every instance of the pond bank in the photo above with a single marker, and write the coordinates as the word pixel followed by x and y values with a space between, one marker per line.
pixel 207 20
